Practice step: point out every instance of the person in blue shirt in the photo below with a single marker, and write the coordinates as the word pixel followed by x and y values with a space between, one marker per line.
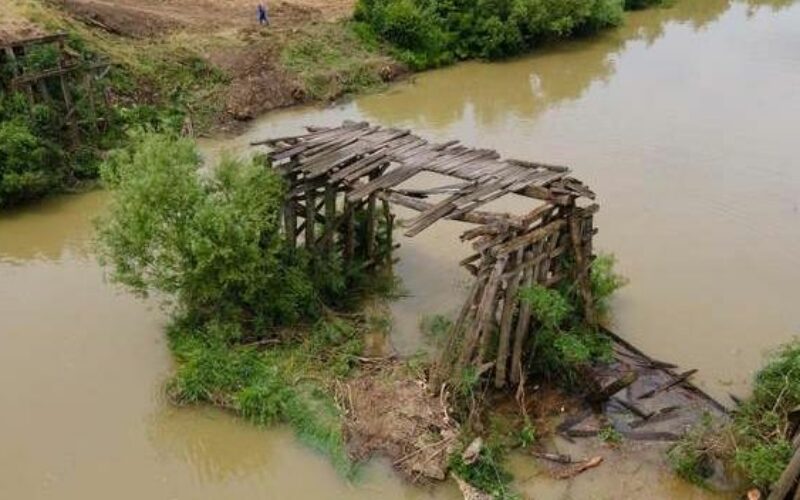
pixel 263 20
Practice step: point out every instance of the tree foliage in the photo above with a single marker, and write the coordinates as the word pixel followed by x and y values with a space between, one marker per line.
pixel 30 162
pixel 429 33
pixel 212 242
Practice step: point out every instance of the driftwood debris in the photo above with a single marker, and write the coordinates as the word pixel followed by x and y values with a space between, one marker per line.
pixel 573 470
pixel 351 166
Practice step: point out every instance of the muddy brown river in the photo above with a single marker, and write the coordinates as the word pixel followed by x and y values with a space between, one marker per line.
pixel 685 122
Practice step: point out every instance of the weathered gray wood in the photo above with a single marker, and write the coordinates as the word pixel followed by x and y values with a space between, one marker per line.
pixel 311 223
pixel 330 219
pixel 581 269
pixel 510 301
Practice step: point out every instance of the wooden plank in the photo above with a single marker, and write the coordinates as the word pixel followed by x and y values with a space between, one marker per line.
pixel 474 217
pixel 393 178
pixel 472 334
pixel 39 75
pixel 528 238
pixel 669 385
pixel 310 238
pixel 370 225
pixel 37 40
pixel 530 164
pixel 510 301
pixel 486 316
pixel 582 262
pixel 330 218
pixel 290 221
pixel 366 143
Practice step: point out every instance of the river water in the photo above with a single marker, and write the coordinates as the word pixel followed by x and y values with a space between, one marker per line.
pixel 684 121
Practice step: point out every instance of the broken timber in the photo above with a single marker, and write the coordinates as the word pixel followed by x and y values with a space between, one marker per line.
pixel 335 176
pixel 67 82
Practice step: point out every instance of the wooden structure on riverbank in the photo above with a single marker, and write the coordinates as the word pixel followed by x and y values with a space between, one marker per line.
pixel 25 68
pixel 338 175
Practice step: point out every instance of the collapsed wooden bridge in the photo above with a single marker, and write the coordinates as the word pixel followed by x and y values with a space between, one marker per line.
pixel 45 70
pixel 338 175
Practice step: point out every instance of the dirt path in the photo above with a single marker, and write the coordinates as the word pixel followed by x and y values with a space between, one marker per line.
pixel 145 18
pixel 150 18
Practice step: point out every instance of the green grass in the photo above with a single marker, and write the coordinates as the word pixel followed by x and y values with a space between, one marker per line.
pixel 755 441
pixel 288 383
pixel 333 61
pixel 487 473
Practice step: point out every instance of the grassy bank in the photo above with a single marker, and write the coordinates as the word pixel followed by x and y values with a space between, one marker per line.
pixel 197 82
pixel 253 328
pixel 756 441
pixel 425 33
pixel 205 81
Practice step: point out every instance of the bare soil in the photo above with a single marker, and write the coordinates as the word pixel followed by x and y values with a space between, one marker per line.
pixel 251 57
pixel 148 18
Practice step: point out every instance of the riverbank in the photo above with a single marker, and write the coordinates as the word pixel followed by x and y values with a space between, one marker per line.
pixel 205 68
pixel 556 106
pixel 214 64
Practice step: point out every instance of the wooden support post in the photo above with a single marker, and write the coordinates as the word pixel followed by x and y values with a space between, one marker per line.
pixel 467 324
pixel 487 309
pixel 88 85
pixel 389 216
pixel 349 232
pixel 369 235
pixel 41 85
pixel 448 357
pixel 12 57
pixel 311 216
pixel 330 218
pixel 290 218
pixel 369 230
pixel 523 325
pixel 581 267
pixel 510 301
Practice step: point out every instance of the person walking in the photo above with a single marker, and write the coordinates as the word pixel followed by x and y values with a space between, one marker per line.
pixel 263 20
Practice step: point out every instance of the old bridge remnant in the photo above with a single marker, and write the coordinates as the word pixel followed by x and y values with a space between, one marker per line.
pixel 337 176
pixel 47 71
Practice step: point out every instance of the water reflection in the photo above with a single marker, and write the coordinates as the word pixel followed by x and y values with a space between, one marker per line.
pixel 53 229
pixel 489 94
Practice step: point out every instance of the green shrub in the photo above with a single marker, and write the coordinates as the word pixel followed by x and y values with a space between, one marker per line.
pixel 756 439
pixel 563 343
pixel 761 425
pixel 211 242
pixel 333 60
pixel 29 165
pixel 428 33
pixel 37 154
